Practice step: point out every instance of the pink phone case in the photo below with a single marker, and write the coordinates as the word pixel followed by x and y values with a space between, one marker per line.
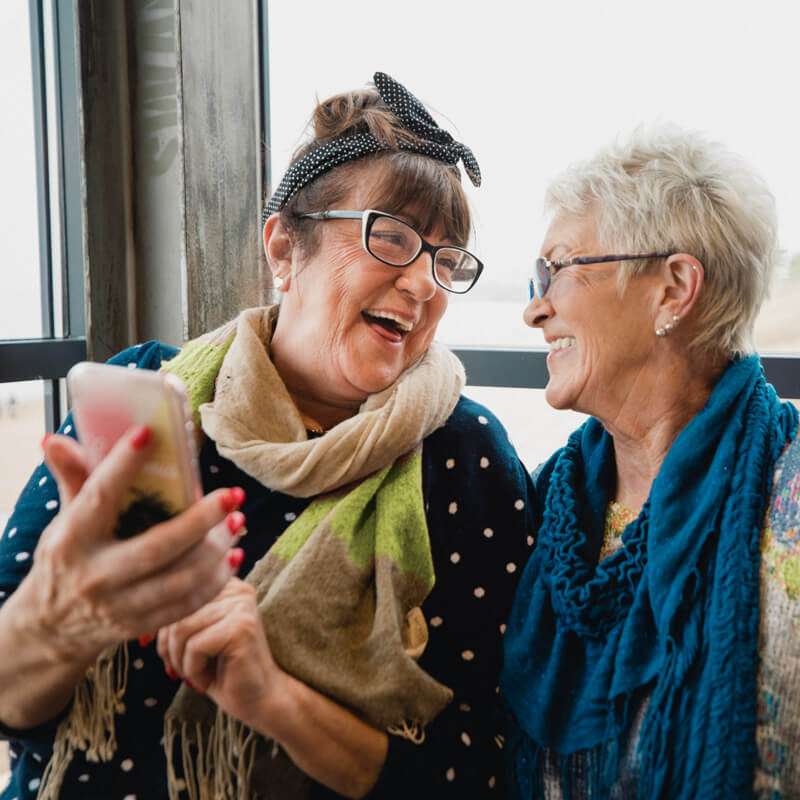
pixel 106 401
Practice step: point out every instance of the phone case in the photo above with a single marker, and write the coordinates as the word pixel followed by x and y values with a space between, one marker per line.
pixel 106 401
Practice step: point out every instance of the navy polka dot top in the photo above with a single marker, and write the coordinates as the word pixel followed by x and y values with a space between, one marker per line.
pixel 481 512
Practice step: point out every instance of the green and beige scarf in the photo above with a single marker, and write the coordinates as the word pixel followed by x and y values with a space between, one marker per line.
pixel 339 592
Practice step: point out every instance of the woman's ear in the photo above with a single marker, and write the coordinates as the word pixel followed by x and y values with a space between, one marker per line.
pixel 278 248
pixel 683 284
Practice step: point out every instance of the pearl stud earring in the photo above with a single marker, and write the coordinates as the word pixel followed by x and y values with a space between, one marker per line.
pixel 670 326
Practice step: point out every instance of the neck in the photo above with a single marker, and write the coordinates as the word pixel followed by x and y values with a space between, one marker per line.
pixel 652 415
pixel 327 414
pixel 300 374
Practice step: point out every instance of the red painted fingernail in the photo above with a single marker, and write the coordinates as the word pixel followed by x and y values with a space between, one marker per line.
pixel 235 558
pixel 235 522
pixel 171 673
pixel 232 499
pixel 145 640
pixel 142 438
pixel 44 440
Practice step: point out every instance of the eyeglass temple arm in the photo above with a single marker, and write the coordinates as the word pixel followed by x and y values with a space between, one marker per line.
pixel 334 215
pixel 611 258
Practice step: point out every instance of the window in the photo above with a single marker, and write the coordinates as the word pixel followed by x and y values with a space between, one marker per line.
pixel 41 306
pixel 20 314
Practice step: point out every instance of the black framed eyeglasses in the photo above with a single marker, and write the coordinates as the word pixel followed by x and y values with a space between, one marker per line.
pixel 394 242
pixel 544 270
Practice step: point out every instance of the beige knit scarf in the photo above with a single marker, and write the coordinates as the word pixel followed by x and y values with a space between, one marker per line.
pixel 362 541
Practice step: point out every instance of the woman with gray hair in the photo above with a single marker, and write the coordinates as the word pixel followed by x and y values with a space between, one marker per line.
pixel 654 644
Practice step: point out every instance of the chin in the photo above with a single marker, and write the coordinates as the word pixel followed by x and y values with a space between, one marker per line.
pixel 374 380
pixel 559 396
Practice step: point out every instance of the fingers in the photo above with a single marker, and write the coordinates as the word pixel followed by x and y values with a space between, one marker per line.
pixel 159 617
pixel 172 640
pixel 197 577
pixel 93 512
pixel 200 651
pixel 189 647
pixel 67 461
pixel 164 544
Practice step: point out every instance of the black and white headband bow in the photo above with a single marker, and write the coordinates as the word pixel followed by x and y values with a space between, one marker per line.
pixel 434 142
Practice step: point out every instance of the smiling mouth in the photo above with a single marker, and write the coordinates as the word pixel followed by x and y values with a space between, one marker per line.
pixel 389 327
pixel 564 343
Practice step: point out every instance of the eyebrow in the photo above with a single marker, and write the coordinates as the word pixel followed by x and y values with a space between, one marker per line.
pixel 548 254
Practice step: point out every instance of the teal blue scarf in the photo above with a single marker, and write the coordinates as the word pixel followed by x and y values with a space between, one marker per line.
pixel 673 615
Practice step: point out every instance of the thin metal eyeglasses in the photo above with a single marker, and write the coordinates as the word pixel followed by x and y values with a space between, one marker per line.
pixel 394 242
pixel 545 270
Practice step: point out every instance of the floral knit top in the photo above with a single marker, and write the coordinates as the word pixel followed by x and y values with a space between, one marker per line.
pixel 777 775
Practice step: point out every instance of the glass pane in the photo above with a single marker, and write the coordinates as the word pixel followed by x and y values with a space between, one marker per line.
pixel 20 314
pixel 778 324
pixel 553 99
pixel 21 430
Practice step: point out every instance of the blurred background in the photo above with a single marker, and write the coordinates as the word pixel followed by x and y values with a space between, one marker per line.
pixel 530 87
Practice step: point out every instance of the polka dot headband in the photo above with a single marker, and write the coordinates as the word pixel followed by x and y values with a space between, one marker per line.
pixel 434 142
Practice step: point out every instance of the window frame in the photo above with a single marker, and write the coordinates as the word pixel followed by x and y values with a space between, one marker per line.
pixel 50 357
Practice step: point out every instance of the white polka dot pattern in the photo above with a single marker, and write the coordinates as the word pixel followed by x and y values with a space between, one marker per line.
pixel 431 141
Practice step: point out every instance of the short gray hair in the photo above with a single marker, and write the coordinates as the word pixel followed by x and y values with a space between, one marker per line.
pixel 665 189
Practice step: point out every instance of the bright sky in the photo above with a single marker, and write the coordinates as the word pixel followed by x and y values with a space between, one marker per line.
pixel 531 87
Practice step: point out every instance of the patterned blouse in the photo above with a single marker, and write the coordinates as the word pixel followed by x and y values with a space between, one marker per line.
pixel 777 775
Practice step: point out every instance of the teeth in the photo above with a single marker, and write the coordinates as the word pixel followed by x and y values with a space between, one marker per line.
pixel 403 324
pixel 560 344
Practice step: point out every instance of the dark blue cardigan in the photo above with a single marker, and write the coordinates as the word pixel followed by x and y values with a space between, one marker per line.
pixel 480 510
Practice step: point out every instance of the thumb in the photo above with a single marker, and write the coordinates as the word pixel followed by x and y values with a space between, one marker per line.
pixel 67 461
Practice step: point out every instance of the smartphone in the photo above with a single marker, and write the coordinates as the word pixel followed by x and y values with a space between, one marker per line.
pixel 108 400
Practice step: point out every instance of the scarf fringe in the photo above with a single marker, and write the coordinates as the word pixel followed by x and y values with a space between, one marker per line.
pixel 90 725
pixel 410 730
pixel 217 761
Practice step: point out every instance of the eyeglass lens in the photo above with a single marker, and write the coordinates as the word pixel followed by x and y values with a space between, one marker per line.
pixel 540 283
pixel 398 244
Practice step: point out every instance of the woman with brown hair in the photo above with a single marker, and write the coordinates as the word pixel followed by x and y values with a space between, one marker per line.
pixel 387 520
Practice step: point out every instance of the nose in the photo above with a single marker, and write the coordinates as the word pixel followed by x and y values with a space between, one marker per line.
pixel 537 312
pixel 417 278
